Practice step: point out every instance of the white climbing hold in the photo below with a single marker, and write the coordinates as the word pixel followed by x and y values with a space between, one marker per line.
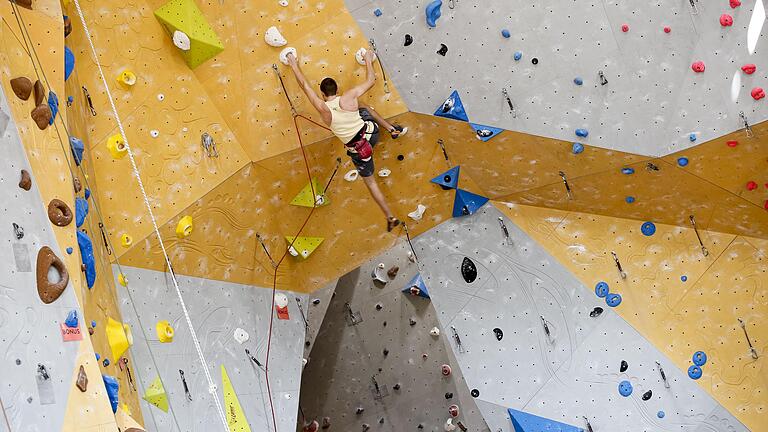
pixel 384 172
pixel 160 97
pixel 284 54
pixel 378 273
pixel 411 256
pixel 283 3
pixel 449 426
pixel 418 213
pixel 181 40
pixel 303 361
pixel 273 37
pixel 435 332
pixel 281 300
pixel 154 133
pixel 292 251
pixel 241 336
pixel 360 56
pixel 351 175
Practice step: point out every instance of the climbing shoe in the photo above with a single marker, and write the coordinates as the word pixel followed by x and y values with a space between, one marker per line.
pixel 398 131
pixel 392 223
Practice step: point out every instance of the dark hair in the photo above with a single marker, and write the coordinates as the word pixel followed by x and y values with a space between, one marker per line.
pixel 328 87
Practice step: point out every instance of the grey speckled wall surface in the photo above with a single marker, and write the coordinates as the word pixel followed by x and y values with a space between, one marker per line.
pixel 29 329
pixel 572 374
pixel 651 103
pixel 217 309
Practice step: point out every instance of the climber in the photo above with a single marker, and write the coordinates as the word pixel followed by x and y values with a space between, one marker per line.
pixel 354 123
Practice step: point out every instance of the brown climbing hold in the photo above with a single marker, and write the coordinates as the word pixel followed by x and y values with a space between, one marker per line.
pixel 82 380
pixel 326 422
pixel 22 87
pixel 49 291
pixel 59 213
pixel 39 93
pixel 76 184
pixel 42 116
pixel 311 427
pixel 135 430
pixel 392 273
pixel 67 26
pixel 24 3
pixel 26 180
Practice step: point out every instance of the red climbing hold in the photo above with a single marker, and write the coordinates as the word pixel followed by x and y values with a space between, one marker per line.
pixel 624 28
pixel 445 369
pixel 735 4
pixel 758 93
pixel 726 20
pixel 766 205
pixel 749 69
pixel 732 144
pixel 698 66
pixel 751 185
pixel 667 29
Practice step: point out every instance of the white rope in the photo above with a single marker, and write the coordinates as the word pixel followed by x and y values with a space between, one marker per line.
pixel 211 385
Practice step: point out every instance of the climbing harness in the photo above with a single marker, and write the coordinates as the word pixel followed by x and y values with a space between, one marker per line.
pixel 303 316
pixel 504 230
pixel 209 145
pixel 282 84
pixel 445 153
pixel 663 375
pixel 90 102
pixel 457 338
pixel 622 273
pixel 747 127
pixel 603 79
pixel 701 243
pixel 381 65
pixel 186 388
pixel 18 231
pixel 509 102
pixel 567 186
pixel 749 342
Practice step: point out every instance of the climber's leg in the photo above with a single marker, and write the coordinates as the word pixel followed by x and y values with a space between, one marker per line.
pixel 368 113
pixel 365 168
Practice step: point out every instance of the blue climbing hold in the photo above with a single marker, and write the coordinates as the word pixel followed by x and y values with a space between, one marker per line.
pixel 601 289
pixel 448 179
pixel 53 104
pixel 70 99
pixel 692 137
pixel 433 12
pixel 683 161
pixel 71 320
pixel 81 211
pixel 625 388
pixel 417 283
pixel 98 357
pixel 518 55
pixel 77 146
pixel 648 228
pixel 93 323
pixel 69 62
pixel 452 108
pixel 694 372
pixel 660 414
pixel 582 132
pixel 524 422
pixel 578 81
pixel 377 12
pixel 467 203
pixel 105 362
pixel 613 300
pixel 629 199
pixel 86 253
pixel 627 170
pixel 70 250
pixel 112 386
pixel 485 133
pixel 87 193
pixel 577 148
pixel 699 358
pixel 684 278
pixel 506 33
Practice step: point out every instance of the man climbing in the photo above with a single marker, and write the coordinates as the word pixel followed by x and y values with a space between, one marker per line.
pixel 354 123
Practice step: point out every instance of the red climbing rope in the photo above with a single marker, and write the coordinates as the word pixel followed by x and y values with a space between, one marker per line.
pixel 280 261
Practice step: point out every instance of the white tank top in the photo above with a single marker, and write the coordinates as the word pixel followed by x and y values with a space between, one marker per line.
pixel 344 124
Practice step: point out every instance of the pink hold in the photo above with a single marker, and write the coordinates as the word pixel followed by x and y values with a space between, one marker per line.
pixel 726 20
pixel 624 28
pixel 751 186
pixel 735 4
pixel 667 29
pixel 698 66
pixel 749 69
pixel 453 410
pixel 758 93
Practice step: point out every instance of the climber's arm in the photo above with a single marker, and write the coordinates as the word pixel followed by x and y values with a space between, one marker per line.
pixel 370 79
pixel 316 101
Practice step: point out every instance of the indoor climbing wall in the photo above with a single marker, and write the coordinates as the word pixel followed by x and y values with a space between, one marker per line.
pixel 528 336
pixel 229 319
pixel 622 72
pixel 378 361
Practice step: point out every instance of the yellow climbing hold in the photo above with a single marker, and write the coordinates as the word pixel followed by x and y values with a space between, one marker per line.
pixel 184 227
pixel 303 246
pixel 164 331
pixel 311 194
pixel 185 17
pixel 155 394
pixel 126 240
pixel 126 78
pixel 119 337
pixel 116 146
pixel 122 280
pixel 235 415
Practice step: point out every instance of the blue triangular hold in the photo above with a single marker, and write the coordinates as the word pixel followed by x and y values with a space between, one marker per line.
pixel 417 282
pixel 524 422
pixel 448 179
pixel 452 108
pixel 466 203
pixel 69 62
pixel 86 253
pixel 77 149
pixel 482 131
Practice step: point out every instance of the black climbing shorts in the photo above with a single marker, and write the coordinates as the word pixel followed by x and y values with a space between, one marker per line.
pixel 365 167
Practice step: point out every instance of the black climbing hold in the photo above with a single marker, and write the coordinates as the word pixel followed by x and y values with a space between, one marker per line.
pixel 384 323
pixel 420 426
pixel 412 322
pixel 499 334
pixel 443 50
pixel 381 420
pixel 396 386
pixel 449 395
pixel 468 270
pixel 535 61
pixel 316 302
pixel 400 157
pixel 379 306
pixel 359 410
pixel 596 312
pixel 306 343
pixel 408 40
pixel 446 179
pixel 647 395
pixel 624 366
pixel 18 362
pixel 475 392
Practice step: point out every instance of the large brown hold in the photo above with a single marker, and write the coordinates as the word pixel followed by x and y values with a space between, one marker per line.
pixel 59 213
pixel 39 93
pixel 76 183
pixel 42 116
pixel 24 3
pixel 22 87
pixel 82 380
pixel 49 292
pixel 26 180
